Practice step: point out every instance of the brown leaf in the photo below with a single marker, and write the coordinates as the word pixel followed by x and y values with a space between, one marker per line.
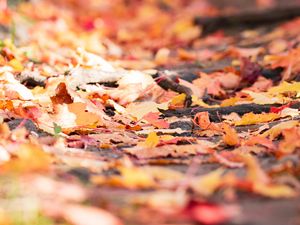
pixel 61 95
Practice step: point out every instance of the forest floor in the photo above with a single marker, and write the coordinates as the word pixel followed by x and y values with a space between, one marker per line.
pixel 150 112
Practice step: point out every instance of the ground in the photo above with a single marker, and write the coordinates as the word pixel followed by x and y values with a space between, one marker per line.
pixel 150 112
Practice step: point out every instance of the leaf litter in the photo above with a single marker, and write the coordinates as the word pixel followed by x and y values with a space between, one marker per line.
pixel 97 80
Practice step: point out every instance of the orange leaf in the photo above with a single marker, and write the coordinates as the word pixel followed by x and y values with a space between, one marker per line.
pixel 291 141
pixel 260 140
pixel 201 119
pixel 30 158
pixel 83 118
pixel 153 118
pixel 230 136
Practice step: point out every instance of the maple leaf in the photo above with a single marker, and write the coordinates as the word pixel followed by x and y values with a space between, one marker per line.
pixel 285 87
pixel 261 141
pixel 230 136
pixel 61 96
pixel 141 109
pixel 249 71
pixel 153 118
pixel 291 141
pixel 151 141
pixel 276 130
pixel 178 101
pixel 202 120
pixel 169 150
pixel 251 118
pixel 83 117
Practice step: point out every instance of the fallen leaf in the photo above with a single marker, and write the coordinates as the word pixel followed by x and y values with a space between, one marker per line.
pixel 178 101
pixel 251 118
pixel 151 141
pixel 141 109
pixel 211 214
pixel 168 150
pixel 276 130
pixel 230 136
pixel 153 118
pixel 29 158
pixel 291 141
pixel 207 184
pixel 83 117
pixel 87 215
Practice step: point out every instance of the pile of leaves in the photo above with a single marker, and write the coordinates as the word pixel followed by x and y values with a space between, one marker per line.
pixel 113 112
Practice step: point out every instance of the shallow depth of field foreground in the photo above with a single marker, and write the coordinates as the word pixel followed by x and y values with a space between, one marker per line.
pixel 149 112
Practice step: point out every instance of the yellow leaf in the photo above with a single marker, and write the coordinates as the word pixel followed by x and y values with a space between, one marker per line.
pixel 197 101
pixel 178 101
pixel 274 190
pixel 285 87
pixel 276 130
pixel 230 101
pixel 133 177
pixel 251 118
pixel 139 110
pixel 151 141
pixel 209 183
pixel 16 65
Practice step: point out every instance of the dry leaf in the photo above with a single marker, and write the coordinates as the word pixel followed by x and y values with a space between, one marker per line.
pixel 151 141
pixel 251 118
pixel 168 150
pixel 230 136
pixel 153 118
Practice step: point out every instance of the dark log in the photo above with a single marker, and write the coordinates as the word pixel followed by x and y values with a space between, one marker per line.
pixel 251 18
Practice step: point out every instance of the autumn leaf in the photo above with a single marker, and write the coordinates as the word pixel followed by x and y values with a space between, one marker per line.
pixel 251 118
pixel 291 141
pixel 61 95
pixel 202 120
pixel 276 130
pixel 29 158
pixel 151 141
pixel 230 136
pixel 207 184
pixel 141 109
pixel 83 117
pixel 169 150
pixel 285 87
pixel 211 214
pixel 153 118
pixel 178 101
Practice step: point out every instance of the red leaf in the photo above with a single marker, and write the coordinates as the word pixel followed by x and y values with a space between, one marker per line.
pixel 209 213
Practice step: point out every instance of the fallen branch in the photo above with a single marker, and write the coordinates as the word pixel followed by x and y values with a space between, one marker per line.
pixel 248 19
